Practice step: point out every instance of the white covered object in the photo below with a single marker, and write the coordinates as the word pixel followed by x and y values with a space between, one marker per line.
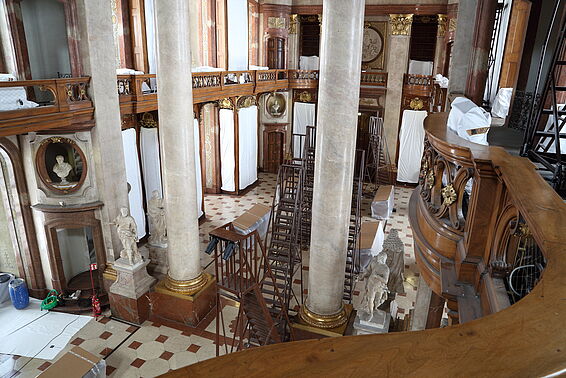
pixel 206 69
pixel 237 11
pixel 34 333
pixel 14 98
pixel 198 169
pixel 258 68
pixel 502 103
pixel 303 116
pixel 128 71
pixel 459 107
pixel 383 203
pixel 441 81
pixel 247 151
pixel 7 77
pixel 370 243
pixel 227 160
pixel 467 120
pixel 419 67
pixel 411 145
pixel 310 63
pixel 151 164
pixel 133 176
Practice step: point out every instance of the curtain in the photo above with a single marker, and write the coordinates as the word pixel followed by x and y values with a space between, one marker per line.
pixel 303 116
pixel 227 161
pixel 133 176
pixel 237 11
pixel 247 133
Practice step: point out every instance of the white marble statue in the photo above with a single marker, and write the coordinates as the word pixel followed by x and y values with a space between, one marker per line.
pixel 376 275
pixel 128 234
pixel 157 225
pixel 62 169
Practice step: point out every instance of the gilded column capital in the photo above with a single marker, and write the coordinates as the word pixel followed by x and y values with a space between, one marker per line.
pixel 400 24
pixel 442 20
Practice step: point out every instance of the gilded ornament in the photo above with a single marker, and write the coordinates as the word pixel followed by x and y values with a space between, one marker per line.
pixel 225 103
pixel 449 195
pixel 187 287
pixel 305 96
pixel 523 231
pixel 452 25
pixel 416 104
pixel 148 121
pixel 441 25
pixel 245 102
pixel 276 22
pixel 293 23
pixel 430 179
pixel 323 321
pixel 400 24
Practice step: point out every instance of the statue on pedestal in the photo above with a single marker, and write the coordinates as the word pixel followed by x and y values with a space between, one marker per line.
pixel 375 293
pixel 157 225
pixel 128 234
pixel 62 169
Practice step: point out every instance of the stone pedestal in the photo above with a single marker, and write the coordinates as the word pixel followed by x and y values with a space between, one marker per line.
pixel 128 295
pixel 379 323
pixel 182 308
pixel 305 331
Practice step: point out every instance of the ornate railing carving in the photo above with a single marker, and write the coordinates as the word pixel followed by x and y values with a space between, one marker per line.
pixel 373 78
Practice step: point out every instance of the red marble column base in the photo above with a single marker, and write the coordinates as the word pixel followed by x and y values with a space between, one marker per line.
pixel 184 309
pixel 304 331
pixel 131 310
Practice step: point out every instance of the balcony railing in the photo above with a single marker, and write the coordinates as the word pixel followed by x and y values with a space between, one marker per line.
pixel 495 247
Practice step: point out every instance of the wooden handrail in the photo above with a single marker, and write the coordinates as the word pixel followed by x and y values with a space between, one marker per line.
pixel 525 339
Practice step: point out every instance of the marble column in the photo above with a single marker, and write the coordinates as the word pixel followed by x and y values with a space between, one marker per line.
pixel 95 26
pixel 339 85
pixel 397 64
pixel 176 135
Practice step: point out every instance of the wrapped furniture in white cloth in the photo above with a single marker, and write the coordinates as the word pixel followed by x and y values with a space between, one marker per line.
pixel 303 116
pixel 247 151
pixel 383 202
pixel 370 243
pixel 151 164
pixel 227 160
pixel 310 63
pixel 256 218
pixel 198 169
pixel 411 145
pixel 419 67
pixel 502 102
pixel 133 176
pixel 469 121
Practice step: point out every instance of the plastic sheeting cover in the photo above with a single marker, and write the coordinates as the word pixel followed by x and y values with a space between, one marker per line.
pixel 237 11
pixel 247 124
pixel 151 163
pixel 198 169
pixel 303 116
pixel 133 176
pixel 411 145
pixel 419 67
pixel 227 161
pixel 502 102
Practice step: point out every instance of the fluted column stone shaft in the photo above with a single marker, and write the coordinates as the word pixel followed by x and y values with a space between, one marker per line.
pixel 176 134
pixel 339 86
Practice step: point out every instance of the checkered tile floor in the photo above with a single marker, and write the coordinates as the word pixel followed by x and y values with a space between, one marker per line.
pixel 155 348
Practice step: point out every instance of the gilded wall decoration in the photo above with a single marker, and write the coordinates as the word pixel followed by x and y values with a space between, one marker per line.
pixel 225 103
pixel 276 22
pixel 441 25
pixel 293 23
pixel 400 24
pixel 245 102
pixel 374 45
pixel 416 104
pixel 452 25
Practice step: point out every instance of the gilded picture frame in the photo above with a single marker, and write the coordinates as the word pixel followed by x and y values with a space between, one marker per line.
pixel 374 45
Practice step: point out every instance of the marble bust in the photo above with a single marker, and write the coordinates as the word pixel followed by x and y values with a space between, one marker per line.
pixel 375 293
pixel 157 224
pixel 62 169
pixel 128 234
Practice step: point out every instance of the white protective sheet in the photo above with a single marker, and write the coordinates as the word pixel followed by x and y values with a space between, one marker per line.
pixel 198 169
pixel 151 164
pixel 227 161
pixel 382 209
pixel 133 176
pixel 419 67
pixel 310 63
pixel 376 248
pixel 303 116
pixel 247 137
pixel 237 11
pixel 14 98
pixel 411 145
pixel 34 333
pixel 502 102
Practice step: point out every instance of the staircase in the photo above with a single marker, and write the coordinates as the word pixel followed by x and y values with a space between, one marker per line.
pixel 261 326
pixel 284 250
pixel 352 256
pixel 378 168
pixel 308 183
pixel 545 130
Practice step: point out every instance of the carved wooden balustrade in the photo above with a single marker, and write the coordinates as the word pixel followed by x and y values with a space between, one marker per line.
pixel 303 79
pixel 500 252
pixel 373 78
pixel 418 91
pixel 35 105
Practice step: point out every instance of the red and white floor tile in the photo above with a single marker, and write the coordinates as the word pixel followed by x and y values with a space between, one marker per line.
pixel 154 348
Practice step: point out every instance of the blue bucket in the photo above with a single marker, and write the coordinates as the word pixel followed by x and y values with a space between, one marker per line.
pixel 19 294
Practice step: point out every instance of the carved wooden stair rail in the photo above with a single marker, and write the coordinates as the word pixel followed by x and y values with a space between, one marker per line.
pixel 509 198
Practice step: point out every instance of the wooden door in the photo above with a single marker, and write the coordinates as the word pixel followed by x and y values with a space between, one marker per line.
pixel 276 53
pixel 274 156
